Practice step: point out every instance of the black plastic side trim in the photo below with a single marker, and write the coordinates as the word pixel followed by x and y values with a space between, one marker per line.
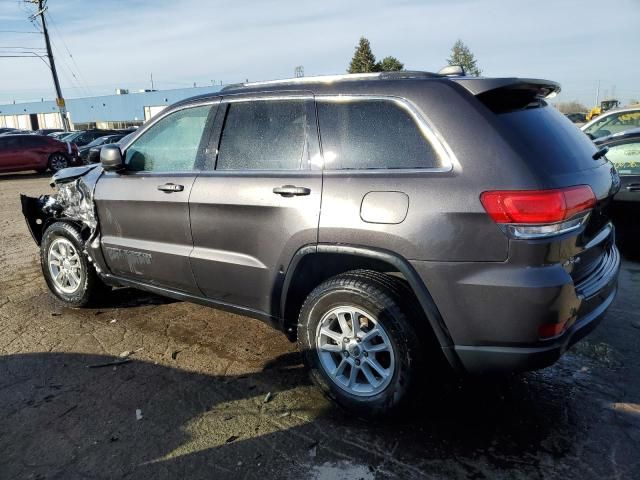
pixel 116 281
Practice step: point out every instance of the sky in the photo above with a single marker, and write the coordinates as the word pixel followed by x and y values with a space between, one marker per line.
pixel 108 44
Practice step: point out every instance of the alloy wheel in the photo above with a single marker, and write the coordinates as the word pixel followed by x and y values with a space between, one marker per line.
pixel 65 266
pixel 355 351
pixel 58 162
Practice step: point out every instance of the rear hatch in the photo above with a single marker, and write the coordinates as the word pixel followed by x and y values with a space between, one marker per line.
pixel 561 156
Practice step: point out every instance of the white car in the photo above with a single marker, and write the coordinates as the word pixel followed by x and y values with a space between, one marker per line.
pixel 613 121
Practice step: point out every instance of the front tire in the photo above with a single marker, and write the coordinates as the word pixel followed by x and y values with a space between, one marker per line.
pixel 57 161
pixel 69 275
pixel 356 336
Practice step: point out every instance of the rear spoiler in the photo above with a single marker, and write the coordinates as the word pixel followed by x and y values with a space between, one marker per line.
pixel 478 86
pixel 508 94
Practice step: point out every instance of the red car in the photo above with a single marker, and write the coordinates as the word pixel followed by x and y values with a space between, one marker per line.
pixel 36 152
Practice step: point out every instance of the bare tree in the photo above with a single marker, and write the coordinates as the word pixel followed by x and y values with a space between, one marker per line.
pixel 571 107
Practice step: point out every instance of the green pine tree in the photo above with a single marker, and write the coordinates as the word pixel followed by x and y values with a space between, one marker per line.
pixel 389 64
pixel 363 60
pixel 461 55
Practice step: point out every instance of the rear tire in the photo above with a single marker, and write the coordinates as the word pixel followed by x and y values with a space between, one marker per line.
pixel 372 371
pixel 67 271
pixel 57 161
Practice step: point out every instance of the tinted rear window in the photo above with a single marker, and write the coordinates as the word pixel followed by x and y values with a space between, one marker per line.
pixel 372 134
pixel 548 139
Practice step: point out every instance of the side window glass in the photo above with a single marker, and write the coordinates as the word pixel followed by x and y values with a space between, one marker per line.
pixel 614 123
pixel 264 135
pixel 626 158
pixel 372 134
pixel 171 145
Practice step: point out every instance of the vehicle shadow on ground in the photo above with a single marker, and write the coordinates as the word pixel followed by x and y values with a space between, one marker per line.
pixel 130 298
pixel 64 416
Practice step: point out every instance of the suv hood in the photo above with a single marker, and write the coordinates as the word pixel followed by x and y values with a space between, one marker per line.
pixel 70 174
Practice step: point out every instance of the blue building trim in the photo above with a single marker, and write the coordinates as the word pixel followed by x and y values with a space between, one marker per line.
pixel 109 108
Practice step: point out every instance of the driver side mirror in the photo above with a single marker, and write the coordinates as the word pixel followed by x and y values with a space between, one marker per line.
pixel 111 158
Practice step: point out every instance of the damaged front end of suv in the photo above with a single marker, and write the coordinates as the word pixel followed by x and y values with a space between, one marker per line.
pixel 72 203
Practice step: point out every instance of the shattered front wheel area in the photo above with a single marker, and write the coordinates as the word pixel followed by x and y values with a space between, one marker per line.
pixel 38 212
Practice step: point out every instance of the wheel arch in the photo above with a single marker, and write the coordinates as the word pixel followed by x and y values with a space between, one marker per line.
pixel 313 264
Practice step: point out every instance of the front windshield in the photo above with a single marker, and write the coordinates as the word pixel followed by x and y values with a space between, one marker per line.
pixel 72 136
pixel 98 141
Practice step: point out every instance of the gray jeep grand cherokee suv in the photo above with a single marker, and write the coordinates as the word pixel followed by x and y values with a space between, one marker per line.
pixel 380 220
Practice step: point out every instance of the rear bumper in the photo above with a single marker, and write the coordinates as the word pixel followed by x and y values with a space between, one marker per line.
pixel 486 359
pixel 494 311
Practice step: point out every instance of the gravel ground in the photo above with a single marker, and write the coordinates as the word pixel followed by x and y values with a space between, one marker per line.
pixel 190 403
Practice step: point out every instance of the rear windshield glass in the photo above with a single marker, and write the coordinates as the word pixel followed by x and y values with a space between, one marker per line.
pixel 548 139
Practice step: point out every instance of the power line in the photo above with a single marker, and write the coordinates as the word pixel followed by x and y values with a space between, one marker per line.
pixel 59 33
pixel 23 48
pixel 41 5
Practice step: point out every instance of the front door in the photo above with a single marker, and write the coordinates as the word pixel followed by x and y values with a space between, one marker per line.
pixel 260 202
pixel 144 210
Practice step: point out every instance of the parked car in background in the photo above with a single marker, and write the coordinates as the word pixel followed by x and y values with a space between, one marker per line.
pixel 576 117
pixel 94 152
pixel 60 135
pixel 624 153
pixel 48 131
pixel 613 121
pixel 36 152
pixel 388 244
pixel 4 130
pixel 84 151
pixel 15 131
pixel 84 137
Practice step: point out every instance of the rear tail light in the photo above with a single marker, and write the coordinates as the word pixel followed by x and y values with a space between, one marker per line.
pixel 539 213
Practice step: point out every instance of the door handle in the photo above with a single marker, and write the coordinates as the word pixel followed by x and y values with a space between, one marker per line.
pixel 170 188
pixel 633 187
pixel 291 191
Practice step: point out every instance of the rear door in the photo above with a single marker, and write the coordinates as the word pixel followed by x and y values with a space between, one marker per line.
pixel 16 153
pixel 144 211
pixel 258 202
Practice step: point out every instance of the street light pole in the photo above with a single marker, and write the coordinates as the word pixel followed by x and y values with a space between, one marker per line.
pixel 59 98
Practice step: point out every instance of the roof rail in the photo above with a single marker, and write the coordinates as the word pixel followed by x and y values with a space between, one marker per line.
pixel 404 74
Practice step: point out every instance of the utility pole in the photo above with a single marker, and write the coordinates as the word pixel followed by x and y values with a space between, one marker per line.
pixel 151 81
pixel 42 7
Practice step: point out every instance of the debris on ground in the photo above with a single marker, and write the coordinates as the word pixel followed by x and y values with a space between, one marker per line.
pixel 138 414
pixel 174 354
pixel 126 353
pixel 232 438
pixel 285 414
pixel 55 314
pixel 113 321
pixel 267 397
pixel 109 364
